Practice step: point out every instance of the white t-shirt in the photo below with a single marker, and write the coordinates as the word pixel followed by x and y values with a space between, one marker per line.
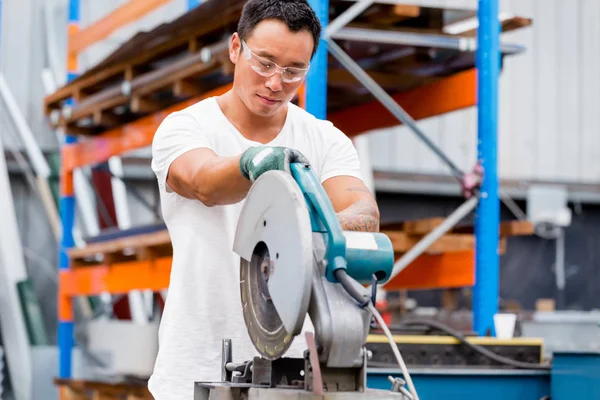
pixel 203 303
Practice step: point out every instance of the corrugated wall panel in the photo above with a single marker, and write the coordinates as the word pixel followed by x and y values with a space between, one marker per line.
pixel 517 103
pixel 569 89
pixel 589 67
pixel 549 116
pixel 546 84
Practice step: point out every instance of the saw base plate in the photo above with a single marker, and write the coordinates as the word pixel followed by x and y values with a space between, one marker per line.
pixel 287 378
pixel 227 391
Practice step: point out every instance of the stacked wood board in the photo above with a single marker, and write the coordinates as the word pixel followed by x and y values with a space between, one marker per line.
pixel 117 105
pixel 187 57
pixel 448 262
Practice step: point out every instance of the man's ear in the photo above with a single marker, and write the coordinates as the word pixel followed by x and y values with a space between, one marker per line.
pixel 234 47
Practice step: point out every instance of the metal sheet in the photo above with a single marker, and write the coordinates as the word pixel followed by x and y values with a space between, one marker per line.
pixel 575 376
pixel 564 331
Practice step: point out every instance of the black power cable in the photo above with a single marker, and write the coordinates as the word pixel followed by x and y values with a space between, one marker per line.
pixel 343 278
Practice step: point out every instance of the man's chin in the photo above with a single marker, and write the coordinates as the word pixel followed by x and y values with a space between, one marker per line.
pixel 268 111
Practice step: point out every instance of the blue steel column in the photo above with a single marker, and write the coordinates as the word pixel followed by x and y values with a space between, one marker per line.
pixel 485 295
pixel 316 79
pixel 67 215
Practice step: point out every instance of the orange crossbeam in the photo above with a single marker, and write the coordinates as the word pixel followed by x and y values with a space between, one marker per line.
pixel 132 136
pixel 116 278
pixel 446 270
pixel 119 18
pixel 449 94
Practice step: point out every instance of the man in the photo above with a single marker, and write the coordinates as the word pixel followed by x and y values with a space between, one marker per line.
pixel 207 156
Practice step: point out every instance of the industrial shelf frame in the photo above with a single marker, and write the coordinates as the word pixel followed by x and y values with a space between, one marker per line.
pixel 77 41
pixel 487 222
pixel 154 274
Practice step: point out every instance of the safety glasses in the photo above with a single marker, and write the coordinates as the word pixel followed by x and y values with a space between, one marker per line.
pixel 268 68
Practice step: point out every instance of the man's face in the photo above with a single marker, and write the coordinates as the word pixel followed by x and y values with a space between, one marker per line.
pixel 271 47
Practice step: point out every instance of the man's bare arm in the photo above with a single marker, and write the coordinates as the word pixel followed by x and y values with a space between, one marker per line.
pixel 360 216
pixel 354 204
pixel 201 174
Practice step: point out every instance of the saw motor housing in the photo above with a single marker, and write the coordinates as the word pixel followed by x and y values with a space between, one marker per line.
pixel 288 230
pixel 362 254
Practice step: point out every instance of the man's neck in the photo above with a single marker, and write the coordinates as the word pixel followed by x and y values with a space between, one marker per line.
pixel 251 126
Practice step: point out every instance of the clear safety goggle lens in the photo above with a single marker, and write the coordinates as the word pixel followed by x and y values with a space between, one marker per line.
pixel 267 68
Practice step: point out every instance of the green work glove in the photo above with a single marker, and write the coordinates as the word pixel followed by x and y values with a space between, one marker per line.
pixel 257 160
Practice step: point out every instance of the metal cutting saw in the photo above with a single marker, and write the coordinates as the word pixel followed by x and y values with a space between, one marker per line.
pixel 296 261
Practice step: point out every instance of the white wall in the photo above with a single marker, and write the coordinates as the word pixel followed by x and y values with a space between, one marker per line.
pixel 21 60
pixel 549 112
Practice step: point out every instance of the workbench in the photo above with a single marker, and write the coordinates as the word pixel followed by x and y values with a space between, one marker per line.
pixel 573 376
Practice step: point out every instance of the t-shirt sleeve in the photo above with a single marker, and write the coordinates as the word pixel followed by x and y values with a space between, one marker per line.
pixel 177 134
pixel 340 156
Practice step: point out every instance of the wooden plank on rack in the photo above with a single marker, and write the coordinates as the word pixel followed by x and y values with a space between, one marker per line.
pixel 340 77
pixel 68 393
pixel 448 94
pixel 516 228
pixel 507 25
pixel 78 389
pixel 127 242
pixel 119 18
pixel 100 74
pixel 507 228
pixel 403 242
pixel 407 10
pixel 186 88
pixel 143 105
pixel 141 86
pixel 131 136
pixel 422 226
pixel 390 14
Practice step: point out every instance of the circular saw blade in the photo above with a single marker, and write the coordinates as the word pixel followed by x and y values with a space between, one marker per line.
pixel 265 328
pixel 274 240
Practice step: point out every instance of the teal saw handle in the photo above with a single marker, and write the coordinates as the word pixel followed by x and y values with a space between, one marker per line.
pixel 318 200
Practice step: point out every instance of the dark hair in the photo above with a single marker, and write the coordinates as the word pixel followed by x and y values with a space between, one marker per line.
pixel 296 14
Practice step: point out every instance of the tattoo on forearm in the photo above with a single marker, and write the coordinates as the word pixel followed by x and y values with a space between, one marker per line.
pixel 361 216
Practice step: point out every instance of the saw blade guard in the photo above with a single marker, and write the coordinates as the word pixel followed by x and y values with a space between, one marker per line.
pixel 274 217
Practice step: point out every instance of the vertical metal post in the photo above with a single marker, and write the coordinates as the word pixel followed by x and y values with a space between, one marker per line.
pixel 561 280
pixel 67 216
pixel 316 80
pixel 486 291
